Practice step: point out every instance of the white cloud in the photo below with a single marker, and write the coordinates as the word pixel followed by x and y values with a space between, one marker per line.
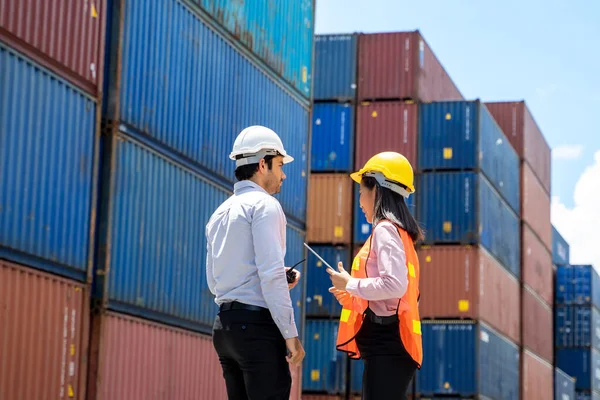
pixel 580 225
pixel 567 152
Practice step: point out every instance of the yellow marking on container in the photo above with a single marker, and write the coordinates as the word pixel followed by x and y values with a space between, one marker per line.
pixel 447 153
pixel 463 305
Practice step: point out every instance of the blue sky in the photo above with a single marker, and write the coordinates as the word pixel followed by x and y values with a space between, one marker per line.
pixel 545 52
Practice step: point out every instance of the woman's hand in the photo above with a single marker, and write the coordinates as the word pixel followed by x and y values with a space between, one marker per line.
pixel 339 279
pixel 343 297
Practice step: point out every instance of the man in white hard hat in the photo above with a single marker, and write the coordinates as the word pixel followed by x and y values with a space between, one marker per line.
pixel 255 327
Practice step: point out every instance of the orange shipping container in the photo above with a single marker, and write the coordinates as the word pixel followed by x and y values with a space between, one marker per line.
pixel 466 282
pixel 538 330
pixel 535 206
pixel 44 332
pixel 519 126
pixel 329 214
pixel 537 265
pixel 537 378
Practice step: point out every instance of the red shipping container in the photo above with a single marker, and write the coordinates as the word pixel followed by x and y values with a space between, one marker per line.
pixel 44 332
pixel 65 36
pixel 386 126
pixel 537 325
pixel 522 131
pixel 329 213
pixel 467 282
pixel 537 267
pixel 401 66
pixel 535 206
pixel 537 378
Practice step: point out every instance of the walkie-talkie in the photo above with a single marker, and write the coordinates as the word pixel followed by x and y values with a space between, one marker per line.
pixel 290 274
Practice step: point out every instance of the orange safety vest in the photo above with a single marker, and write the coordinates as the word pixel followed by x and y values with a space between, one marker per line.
pixel 353 311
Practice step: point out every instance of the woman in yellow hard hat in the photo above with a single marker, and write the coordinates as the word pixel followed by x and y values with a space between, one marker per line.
pixel 380 317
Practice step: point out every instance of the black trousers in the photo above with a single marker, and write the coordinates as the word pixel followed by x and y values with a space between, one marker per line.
pixel 252 354
pixel 389 368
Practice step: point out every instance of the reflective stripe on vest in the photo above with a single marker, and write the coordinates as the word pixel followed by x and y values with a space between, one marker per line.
pixel 409 324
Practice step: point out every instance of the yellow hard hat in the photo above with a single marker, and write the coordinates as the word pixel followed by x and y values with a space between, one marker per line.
pixel 390 169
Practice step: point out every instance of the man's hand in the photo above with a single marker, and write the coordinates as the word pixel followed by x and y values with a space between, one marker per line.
pixel 295 351
pixel 297 278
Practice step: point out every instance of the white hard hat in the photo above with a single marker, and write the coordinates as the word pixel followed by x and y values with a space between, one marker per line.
pixel 254 143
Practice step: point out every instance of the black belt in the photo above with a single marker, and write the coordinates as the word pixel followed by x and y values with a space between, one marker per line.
pixel 376 319
pixel 235 305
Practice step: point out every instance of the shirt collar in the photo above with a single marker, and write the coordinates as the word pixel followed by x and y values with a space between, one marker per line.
pixel 247 185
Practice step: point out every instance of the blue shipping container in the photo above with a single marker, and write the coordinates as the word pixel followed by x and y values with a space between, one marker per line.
pixel 357 367
pixel 335 67
pixel 186 87
pixel 588 395
pixel 152 239
pixel 577 284
pixel 324 367
pixel 459 135
pixel 319 302
pixel 577 326
pixel 332 137
pixel 467 359
pixel 362 229
pixel 583 365
pixel 48 144
pixel 564 385
pixel 280 33
pixel 295 251
pixel 560 249
pixel 462 207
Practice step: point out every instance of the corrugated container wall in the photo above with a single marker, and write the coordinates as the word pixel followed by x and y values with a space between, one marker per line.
pixel 185 86
pixel 401 65
pixel 335 67
pixel 68 38
pixel 581 364
pixel 386 126
pixel 295 252
pixel 362 228
pixel 537 378
pixel 279 33
pixel 137 359
pixel 329 217
pixel 466 282
pixel 463 135
pixel 520 128
pixel 357 369
pixel 467 359
pixel 536 207
pixel 44 335
pixel 577 284
pixel 48 140
pixel 324 367
pixel 577 326
pixel 319 302
pixel 560 248
pixel 462 207
pixel 152 243
pixel 564 385
pixel 537 320
pixel 538 271
pixel 332 137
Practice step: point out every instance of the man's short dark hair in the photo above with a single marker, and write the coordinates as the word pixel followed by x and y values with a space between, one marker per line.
pixel 246 172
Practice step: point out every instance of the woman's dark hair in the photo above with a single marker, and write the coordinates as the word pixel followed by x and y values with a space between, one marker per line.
pixel 391 206
pixel 246 172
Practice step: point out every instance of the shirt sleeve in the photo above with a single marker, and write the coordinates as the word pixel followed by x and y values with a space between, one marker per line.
pixel 391 264
pixel 210 278
pixel 268 232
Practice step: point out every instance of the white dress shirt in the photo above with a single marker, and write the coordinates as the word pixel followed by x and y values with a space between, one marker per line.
pixel 245 254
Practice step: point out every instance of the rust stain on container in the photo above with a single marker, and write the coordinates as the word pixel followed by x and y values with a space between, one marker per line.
pixel 535 206
pixel 466 282
pixel 138 359
pixel 329 214
pixel 401 66
pixel 44 331
pixel 524 134
pixel 538 330
pixel 386 126
pixel 65 36
pixel 537 378
pixel 537 265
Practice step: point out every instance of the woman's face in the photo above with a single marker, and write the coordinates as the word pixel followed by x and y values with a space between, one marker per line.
pixel 367 202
